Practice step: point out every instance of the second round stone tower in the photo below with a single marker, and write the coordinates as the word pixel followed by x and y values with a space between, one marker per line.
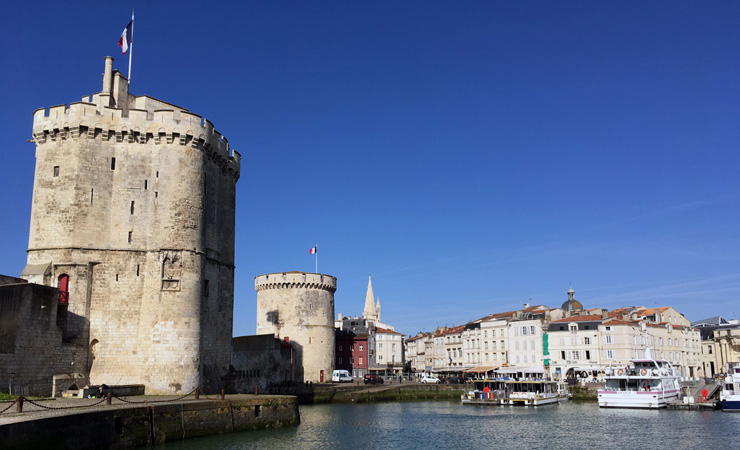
pixel 299 307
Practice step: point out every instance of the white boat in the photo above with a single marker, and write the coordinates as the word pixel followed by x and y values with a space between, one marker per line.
pixel 730 396
pixel 643 383
pixel 507 391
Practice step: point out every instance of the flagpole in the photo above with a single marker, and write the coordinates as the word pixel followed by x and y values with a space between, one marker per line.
pixel 317 258
pixel 131 50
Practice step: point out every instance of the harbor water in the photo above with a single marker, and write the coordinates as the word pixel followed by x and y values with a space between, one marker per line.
pixel 425 425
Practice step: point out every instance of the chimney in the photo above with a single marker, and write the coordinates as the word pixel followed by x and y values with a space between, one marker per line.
pixel 108 75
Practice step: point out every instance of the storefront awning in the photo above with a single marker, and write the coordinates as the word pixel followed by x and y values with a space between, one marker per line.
pixel 480 369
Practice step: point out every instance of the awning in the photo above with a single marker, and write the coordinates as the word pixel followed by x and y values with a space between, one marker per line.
pixel 36 269
pixel 480 369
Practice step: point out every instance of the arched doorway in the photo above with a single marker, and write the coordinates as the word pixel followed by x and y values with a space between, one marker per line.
pixel 64 289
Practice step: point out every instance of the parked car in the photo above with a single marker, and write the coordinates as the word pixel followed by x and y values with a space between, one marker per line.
pixel 429 379
pixel 372 378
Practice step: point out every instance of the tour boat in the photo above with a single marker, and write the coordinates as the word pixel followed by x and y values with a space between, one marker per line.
pixel 644 383
pixel 507 391
pixel 730 396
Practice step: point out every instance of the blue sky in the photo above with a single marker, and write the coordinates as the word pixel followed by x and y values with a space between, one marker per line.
pixel 470 155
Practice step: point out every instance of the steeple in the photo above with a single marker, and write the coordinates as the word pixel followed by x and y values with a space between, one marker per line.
pixel 369 312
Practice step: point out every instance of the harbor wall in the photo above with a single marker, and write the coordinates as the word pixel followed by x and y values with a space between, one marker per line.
pixel 142 426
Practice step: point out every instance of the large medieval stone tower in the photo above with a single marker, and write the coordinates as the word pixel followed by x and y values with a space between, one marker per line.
pixel 133 220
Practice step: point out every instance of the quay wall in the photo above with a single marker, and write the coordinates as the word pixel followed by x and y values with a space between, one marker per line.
pixel 143 426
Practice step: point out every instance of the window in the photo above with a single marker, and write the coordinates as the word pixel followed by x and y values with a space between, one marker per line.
pixel 146 184
pixel 486 357
pixel 132 207
pixel 130 233
pixel 340 359
pixel 380 346
pixel 588 354
pixel 610 354
pixel 709 347
pixel 113 164
pixel 380 358
pixel 608 339
pixel 56 171
pixel 360 347
pixel 524 331
pixel 393 347
pixel 205 289
pixel 586 341
pixel 531 330
pixel 340 349
pixel 351 360
pixel 562 354
pixel 359 360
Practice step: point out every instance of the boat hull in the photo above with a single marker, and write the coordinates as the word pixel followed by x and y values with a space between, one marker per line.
pixel 731 404
pixel 644 400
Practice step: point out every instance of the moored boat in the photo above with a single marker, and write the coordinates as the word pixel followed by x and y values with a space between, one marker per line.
pixel 509 391
pixel 729 399
pixel 643 383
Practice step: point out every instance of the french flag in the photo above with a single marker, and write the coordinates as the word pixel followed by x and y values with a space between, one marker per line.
pixel 127 38
pixel 314 250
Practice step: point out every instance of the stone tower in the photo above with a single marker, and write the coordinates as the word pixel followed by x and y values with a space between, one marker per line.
pixel 133 220
pixel 299 306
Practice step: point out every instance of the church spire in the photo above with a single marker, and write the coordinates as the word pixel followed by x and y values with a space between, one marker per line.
pixel 369 312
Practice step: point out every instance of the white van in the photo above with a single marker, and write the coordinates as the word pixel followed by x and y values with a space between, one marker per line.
pixel 339 376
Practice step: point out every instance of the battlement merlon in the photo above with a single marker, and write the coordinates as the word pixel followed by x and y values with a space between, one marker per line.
pixel 302 280
pixel 113 112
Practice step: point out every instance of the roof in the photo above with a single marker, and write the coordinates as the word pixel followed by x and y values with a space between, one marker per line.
pixel 385 331
pixel 454 330
pixel 648 312
pixel 618 322
pixel 593 318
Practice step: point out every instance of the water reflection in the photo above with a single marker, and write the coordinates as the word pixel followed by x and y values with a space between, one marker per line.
pixel 424 425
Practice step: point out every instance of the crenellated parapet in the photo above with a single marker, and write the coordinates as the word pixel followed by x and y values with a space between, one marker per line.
pixel 93 120
pixel 295 280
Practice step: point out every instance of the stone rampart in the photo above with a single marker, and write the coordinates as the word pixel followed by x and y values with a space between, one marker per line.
pixel 143 426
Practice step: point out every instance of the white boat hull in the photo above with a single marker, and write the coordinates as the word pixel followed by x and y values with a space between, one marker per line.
pixel 646 400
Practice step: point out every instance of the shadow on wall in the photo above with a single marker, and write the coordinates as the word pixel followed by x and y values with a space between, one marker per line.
pixel 35 341
pixel 262 361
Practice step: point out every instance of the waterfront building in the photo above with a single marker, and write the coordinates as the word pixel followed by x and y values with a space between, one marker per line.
pixel 352 352
pixel 451 360
pixel 415 351
pixel 574 347
pixel 389 353
pixel 720 345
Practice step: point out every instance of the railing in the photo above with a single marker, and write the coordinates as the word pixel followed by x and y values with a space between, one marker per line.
pixel 22 400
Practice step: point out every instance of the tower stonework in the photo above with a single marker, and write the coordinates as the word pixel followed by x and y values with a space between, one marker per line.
pixel 299 306
pixel 133 217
